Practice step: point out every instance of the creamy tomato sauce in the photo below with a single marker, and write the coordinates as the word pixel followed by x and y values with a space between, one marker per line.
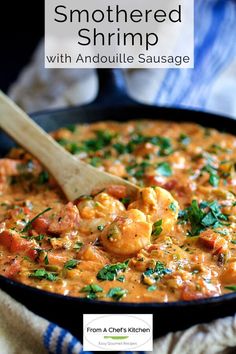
pixel 176 240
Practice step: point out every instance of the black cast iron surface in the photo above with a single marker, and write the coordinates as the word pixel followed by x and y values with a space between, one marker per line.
pixel 112 103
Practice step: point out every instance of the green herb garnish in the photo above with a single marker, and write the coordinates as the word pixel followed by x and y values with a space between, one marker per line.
pixel 43 177
pixel 203 216
pixel 173 206
pixel 184 139
pixel 95 161
pixel 71 128
pixel 46 261
pixel 138 170
pixel 117 293
pixel 155 274
pixel 125 201
pixel 71 264
pixel 78 245
pixel 152 288
pixel 29 223
pixel 92 290
pixel 36 238
pixel 110 271
pixel 100 227
pixel 121 278
pixel 231 287
pixel 214 178
pixel 164 169
pixel 43 274
pixel 157 228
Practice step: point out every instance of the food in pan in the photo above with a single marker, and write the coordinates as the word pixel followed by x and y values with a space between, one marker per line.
pixel 177 242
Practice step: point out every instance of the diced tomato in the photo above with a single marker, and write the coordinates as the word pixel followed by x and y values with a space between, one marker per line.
pixel 117 191
pixel 208 239
pixel 6 239
pixel 32 253
pixel 16 244
pixel 214 242
pixel 17 213
pixel 170 185
pixel 188 294
pixel 26 210
pixel 154 181
pixel 153 248
pixel 9 167
pixel 13 268
pixel 57 258
pixel 40 225
pixel 67 220
pixel 92 253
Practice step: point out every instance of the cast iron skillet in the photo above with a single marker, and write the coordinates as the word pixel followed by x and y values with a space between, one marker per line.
pixel 113 103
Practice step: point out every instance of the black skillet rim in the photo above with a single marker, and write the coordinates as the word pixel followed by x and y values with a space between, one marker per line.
pixel 112 86
pixel 145 305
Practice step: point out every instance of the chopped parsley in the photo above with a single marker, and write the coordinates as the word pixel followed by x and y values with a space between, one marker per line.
pixel 202 216
pixel 163 143
pixel 71 127
pixel 231 287
pixel 157 228
pixel 152 275
pixel 110 271
pixel 78 245
pixel 184 139
pixel 125 201
pixel 164 169
pixel 215 149
pixel 38 238
pixel 102 139
pixel 138 170
pixel 121 278
pixel 43 274
pixel 46 261
pixel 213 173
pixel 117 293
pixel 101 227
pixel 173 206
pixel 71 264
pixel 43 177
pixel 95 161
pixel 152 288
pixel 121 148
pixel 92 291
pixel 29 223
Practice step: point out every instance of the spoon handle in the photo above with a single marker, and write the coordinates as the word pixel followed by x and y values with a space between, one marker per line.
pixel 74 176
pixel 29 135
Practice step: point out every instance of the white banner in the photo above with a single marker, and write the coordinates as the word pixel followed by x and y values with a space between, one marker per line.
pixel 118 332
pixel 123 34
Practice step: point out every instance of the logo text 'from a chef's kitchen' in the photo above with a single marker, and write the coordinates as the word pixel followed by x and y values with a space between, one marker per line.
pixel 111 33
pixel 117 332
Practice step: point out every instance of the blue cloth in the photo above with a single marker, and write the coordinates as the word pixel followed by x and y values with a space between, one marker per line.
pixel 215 52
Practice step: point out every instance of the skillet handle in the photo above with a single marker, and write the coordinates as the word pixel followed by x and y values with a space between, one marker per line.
pixel 112 87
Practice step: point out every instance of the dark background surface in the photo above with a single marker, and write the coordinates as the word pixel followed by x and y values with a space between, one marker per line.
pixel 22 26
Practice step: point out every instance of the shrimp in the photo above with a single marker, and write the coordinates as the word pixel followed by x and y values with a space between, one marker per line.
pixel 97 212
pixel 9 167
pixel 127 234
pixel 158 204
pixel 102 206
pixel 67 219
pixel 228 276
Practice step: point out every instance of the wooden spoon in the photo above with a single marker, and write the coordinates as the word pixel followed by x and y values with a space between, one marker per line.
pixel 75 177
